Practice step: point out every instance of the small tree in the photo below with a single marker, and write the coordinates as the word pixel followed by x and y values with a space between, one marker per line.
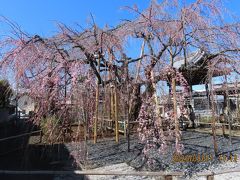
pixel 5 93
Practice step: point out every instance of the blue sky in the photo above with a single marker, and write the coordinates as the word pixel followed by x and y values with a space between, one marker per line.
pixel 41 16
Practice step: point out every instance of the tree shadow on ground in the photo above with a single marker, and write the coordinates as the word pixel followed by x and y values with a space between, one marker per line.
pixel 17 154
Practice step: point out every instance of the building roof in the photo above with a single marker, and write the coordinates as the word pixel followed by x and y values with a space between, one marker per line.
pixel 192 59
pixel 196 69
pixel 220 89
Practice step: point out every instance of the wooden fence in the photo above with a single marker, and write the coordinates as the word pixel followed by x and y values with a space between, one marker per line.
pixel 166 175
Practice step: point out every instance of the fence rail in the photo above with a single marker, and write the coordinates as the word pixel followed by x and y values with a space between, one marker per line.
pixel 20 146
pixel 94 172
pixel 119 173
pixel 20 135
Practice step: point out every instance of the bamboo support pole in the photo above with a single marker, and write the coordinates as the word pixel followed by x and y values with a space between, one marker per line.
pixel 96 114
pixel 85 131
pixel 125 128
pixel 175 110
pixel 104 110
pixel 116 114
pixel 110 100
pixel 173 84
pixel 86 121
pixel 213 115
pixel 112 105
pixel 128 124
pixel 97 106
pixel 229 115
pixel 104 107
pixel 237 98
pixel 41 137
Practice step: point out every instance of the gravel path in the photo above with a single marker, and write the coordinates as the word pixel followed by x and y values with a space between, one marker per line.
pixel 106 155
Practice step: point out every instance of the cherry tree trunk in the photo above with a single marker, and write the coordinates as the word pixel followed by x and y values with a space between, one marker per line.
pixel 158 113
pixel 177 132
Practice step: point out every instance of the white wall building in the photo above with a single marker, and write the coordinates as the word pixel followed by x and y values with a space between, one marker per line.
pixel 25 104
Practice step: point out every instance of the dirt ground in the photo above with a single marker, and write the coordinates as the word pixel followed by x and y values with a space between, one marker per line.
pixel 234 132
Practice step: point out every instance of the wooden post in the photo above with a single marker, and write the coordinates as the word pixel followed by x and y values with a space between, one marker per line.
pixel 173 86
pixel 96 115
pixel 86 124
pixel 124 128
pixel 116 115
pixel 168 177
pixel 110 115
pixel 175 110
pixel 228 113
pixel 127 113
pixel 237 99
pixel 128 125
pixel 97 105
pixel 210 177
pixel 41 136
pixel 112 105
pixel 213 114
pixel 111 99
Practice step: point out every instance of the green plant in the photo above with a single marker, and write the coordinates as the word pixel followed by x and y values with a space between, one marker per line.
pixel 50 128
pixel 5 93
pixel 205 119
